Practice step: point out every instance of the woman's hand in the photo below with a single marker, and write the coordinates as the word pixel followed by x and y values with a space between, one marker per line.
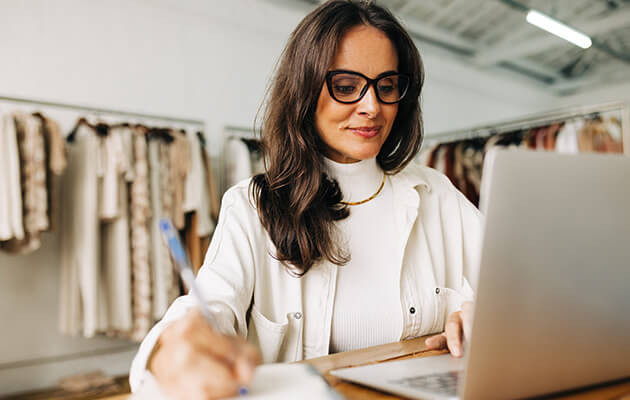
pixel 457 329
pixel 195 362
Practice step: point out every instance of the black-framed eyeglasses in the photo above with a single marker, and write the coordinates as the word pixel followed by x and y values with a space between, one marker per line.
pixel 349 87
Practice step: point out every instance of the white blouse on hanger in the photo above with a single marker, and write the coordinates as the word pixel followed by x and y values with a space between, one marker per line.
pixel 11 194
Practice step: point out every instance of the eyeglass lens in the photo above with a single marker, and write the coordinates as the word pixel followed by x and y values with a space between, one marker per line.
pixel 348 87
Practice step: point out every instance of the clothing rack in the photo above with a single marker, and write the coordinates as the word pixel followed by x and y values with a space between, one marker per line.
pixel 234 132
pixel 538 120
pixel 106 111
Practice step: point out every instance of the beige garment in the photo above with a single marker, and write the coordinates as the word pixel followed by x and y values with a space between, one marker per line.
pixel 205 222
pixel 55 144
pixel 194 180
pixel 140 243
pixel 167 210
pixel 113 162
pixel 6 229
pixel 161 269
pixel 56 153
pixel 237 161
pixel 11 188
pixel 586 137
pixel 208 211
pixel 215 201
pixel 115 236
pixel 33 182
pixel 80 278
pixel 179 166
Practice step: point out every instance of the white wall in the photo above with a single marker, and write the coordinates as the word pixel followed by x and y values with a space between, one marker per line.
pixel 206 60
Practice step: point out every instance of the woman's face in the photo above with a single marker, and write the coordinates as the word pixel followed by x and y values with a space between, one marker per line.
pixel 354 132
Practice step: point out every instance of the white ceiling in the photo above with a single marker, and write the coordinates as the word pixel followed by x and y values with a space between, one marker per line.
pixel 492 35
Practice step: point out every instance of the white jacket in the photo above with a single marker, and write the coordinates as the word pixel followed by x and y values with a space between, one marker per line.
pixel 289 318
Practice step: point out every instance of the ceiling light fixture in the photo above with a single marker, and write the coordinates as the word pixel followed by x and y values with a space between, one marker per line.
pixel 559 29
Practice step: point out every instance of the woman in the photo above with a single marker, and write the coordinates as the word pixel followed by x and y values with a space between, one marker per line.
pixel 343 243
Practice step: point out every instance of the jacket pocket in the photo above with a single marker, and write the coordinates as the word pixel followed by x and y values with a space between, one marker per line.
pixel 276 341
pixel 446 301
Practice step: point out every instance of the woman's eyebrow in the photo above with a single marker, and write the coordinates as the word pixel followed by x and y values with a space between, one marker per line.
pixel 391 71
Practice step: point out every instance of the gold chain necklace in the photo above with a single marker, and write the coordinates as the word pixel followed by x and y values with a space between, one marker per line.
pixel 356 203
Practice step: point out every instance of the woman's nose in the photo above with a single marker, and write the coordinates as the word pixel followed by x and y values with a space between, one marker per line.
pixel 369 104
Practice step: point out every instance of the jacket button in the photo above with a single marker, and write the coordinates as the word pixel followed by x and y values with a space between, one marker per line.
pixel 437 290
pixel 297 315
pixel 412 310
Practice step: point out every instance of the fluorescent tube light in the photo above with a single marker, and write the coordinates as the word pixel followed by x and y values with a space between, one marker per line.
pixel 559 29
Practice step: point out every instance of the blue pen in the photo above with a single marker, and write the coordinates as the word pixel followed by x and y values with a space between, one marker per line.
pixel 186 272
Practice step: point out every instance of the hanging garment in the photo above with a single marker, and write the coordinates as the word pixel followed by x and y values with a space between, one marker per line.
pixel 192 241
pixel 80 240
pixel 550 138
pixel 205 221
pixel 586 137
pixel 213 191
pixel 613 127
pixel 33 184
pixel 115 238
pixel 472 163
pixel 167 192
pixel 56 153
pixel 567 138
pixel 11 194
pixel 238 165
pixel 140 239
pixel 432 159
pixel 113 162
pixel 209 213
pixel 179 166
pixel 449 161
pixel 440 163
pixel 160 261
pixel 459 175
pixel 541 138
pixel 598 138
pixel 194 180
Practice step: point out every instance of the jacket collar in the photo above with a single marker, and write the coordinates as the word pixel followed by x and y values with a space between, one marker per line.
pixel 412 177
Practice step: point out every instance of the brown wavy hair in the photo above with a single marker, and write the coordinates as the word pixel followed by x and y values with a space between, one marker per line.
pixel 297 202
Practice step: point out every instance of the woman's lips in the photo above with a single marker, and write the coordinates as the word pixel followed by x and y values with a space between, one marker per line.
pixel 365 131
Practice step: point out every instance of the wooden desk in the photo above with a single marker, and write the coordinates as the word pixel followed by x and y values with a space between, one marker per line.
pixel 412 349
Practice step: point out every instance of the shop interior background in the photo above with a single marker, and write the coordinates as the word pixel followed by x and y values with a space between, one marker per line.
pixel 212 61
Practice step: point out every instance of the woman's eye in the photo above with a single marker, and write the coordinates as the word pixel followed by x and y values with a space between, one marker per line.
pixel 386 88
pixel 345 89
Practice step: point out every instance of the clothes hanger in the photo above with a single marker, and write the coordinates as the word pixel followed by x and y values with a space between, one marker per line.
pixel 160 133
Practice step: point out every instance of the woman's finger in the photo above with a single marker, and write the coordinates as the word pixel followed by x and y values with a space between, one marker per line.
pixel 198 332
pixel 453 331
pixel 436 342
pixel 246 362
pixel 467 318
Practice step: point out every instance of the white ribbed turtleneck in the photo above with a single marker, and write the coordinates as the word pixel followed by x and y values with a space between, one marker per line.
pixel 367 309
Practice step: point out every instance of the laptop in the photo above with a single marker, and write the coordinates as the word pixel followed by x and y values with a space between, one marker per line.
pixel 552 307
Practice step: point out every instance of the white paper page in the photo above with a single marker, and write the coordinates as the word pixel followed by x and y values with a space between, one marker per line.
pixel 271 381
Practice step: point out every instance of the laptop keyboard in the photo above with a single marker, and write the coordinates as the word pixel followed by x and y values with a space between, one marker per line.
pixel 444 383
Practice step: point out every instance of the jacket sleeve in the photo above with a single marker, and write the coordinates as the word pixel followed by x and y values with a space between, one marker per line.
pixel 226 278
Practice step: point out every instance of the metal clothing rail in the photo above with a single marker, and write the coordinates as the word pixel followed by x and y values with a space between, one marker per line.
pixel 538 120
pixel 98 110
